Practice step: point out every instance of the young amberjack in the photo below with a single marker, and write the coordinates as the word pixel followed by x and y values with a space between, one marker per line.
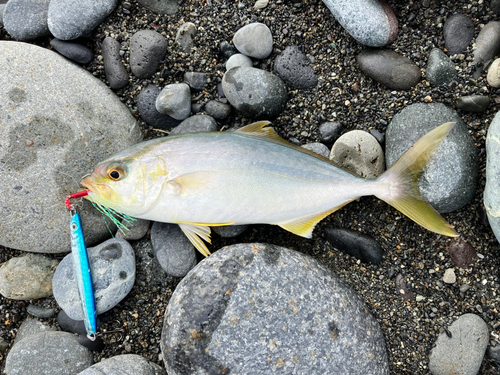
pixel 251 176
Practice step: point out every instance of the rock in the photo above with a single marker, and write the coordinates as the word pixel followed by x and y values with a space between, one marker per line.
pixel 225 316
pixel 31 327
pixel 318 148
pixel 78 128
pixel 487 43
pixel 238 59
pixel 195 80
pixel 371 23
pixel 293 68
pixel 359 152
pixel 254 40
pixel 146 105
pixel 493 352
pixel 174 251
pixel 495 7
pixel 25 19
pixel 255 93
pixel 493 76
pixel 227 50
pixel 175 100
pixel 116 74
pixel 96 345
pixel 329 131
pixel 440 69
pixel 73 51
pixel 473 103
pixel 70 325
pixel 160 6
pixel 185 36
pixel 40 312
pixel 195 124
pixel 463 352
pixel 357 244
pixel 218 110
pixel 30 357
pixel 230 231
pixel 378 136
pixel 491 196
pixel 124 364
pixel 449 276
pixel 4 345
pixel 71 19
pixel 137 229
pixel 458 32
pixel 462 254
pixel 2 9
pixel 389 68
pixel 112 264
pixel 27 277
pixel 147 49
pixel 449 180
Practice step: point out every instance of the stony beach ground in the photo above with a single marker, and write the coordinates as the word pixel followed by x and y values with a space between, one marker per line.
pixel 343 94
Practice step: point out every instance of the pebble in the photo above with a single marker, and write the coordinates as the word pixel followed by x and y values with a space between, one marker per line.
pixel 255 93
pixel 31 327
pixel 389 68
pixel 124 364
pixel 175 100
pixel 195 124
pixel 329 131
pixel 112 264
pixel 293 68
pixel 449 276
pixel 224 312
pixel 458 31
pixel 70 325
pixel 146 105
pixel 473 103
pixel 254 40
pixel 147 49
pixel 403 288
pixel 238 59
pixel 27 277
pixel 26 20
pixel 185 36
pixel 175 253
pixel 230 231
pixel 487 43
pixel 71 19
pixel 196 80
pixel 371 23
pixel 40 312
pixel 217 110
pixel 160 7
pixel 493 76
pixel 227 49
pixel 2 9
pixel 357 244
pixel 440 69
pixel 73 51
pixel 359 152
pixel 116 74
pixel 318 148
pixel 41 171
pixel 449 180
pixel 137 229
pixel 30 356
pixel 495 7
pixel 491 196
pixel 463 352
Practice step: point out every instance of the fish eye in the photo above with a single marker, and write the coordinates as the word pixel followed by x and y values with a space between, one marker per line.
pixel 116 172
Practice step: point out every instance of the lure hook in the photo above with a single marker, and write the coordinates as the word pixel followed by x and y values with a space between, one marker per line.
pixel 80 194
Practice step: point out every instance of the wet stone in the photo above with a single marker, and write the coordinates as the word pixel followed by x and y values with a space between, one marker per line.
pixel 196 80
pixel 195 124
pixel 147 49
pixel 73 51
pixel 487 43
pixel 440 69
pixel 160 7
pixel 40 312
pixel 491 196
pixel 31 327
pixel 473 103
pixel 175 100
pixel 217 110
pixel 493 75
pixel 26 20
pixel 229 231
pixel 254 40
pixel 458 32
pixel 294 69
pixel 318 148
pixel 137 229
pixel 116 74
pixel 238 59
pixel 146 105
pixel 329 131
pixel 185 36
pixel 124 364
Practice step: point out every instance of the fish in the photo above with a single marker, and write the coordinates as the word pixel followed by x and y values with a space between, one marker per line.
pixel 83 276
pixel 251 176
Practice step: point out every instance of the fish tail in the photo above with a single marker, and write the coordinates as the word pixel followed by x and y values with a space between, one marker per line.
pixel 402 179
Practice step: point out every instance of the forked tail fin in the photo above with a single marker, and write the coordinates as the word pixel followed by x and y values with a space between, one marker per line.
pixel 404 193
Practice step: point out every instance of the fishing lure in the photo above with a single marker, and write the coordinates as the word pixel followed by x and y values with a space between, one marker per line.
pixel 81 269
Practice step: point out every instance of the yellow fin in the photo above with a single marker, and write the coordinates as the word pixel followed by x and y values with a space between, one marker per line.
pixel 205 224
pixel 193 233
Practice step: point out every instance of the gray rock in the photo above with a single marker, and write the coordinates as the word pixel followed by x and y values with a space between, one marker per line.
pixel 196 80
pixel 217 110
pixel 175 100
pixel 124 364
pixel 137 229
pixel 71 19
pixel 254 40
pixel 293 68
pixel 78 128
pixel 318 148
pixel 449 276
pixel 463 352
pixel 185 36
pixel 238 59
pixel 112 265
pixel 491 196
pixel 473 103
pixel 487 43
pixel 440 69
pixel 40 312
pixel 147 49
pixel 148 268
pixel 359 152
pixel 227 49
pixel 493 76
pixel 389 68
pixel 2 8
pixel 30 357
pixel 329 131
pixel 225 316
pixel 175 253
pixel 160 6
pixel 255 93
pixel 26 19
pixel 195 124
pixel 371 23
pixel 27 277
pixel 73 51
pixel 495 7
pixel 116 74
pixel 70 325
pixel 146 105
pixel 449 180
pixel 458 32
pixel 230 231
pixel 31 327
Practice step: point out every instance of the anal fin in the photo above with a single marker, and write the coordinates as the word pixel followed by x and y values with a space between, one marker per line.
pixel 193 233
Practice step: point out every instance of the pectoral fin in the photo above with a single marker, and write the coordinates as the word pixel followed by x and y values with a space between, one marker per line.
pixel 193 233
pixel 191 183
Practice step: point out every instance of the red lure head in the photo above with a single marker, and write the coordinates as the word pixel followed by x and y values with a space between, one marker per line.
pixel 74 195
